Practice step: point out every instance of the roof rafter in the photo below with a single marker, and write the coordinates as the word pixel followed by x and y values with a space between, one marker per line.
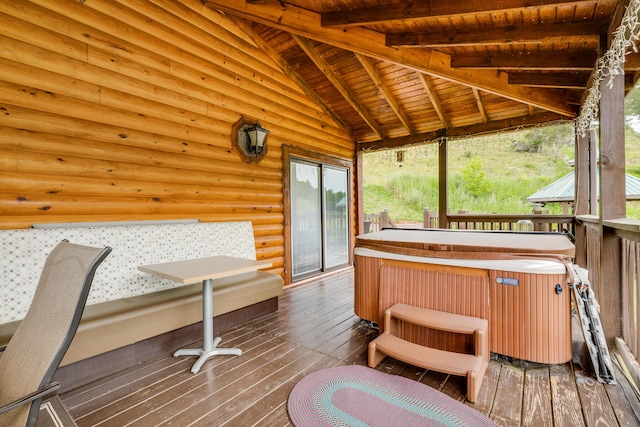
pixel 317 59
pixel 478 97
pixel 423 9
pixel 434 99
pixel 384 89
pixel 567 31
pixel 306 23
pixel 286 68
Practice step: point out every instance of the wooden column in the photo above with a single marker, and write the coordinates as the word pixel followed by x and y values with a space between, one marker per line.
pixel 612 202
pixel 359 173
pixel 443 188
pixel 583 202
pixel 586 156
pixel 593 173
pixel 612 167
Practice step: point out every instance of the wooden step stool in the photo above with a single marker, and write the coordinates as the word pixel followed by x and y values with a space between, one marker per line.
pixel 473 366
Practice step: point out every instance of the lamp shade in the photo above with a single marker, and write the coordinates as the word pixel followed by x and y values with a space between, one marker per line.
pixel 249 139
pixel 257 137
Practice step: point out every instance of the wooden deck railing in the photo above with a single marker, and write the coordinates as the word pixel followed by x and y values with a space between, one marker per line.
pixel 616 243
pixel 630 274
pixel 468 221
pixel 518 222
pixel 611 254
pixel 376 222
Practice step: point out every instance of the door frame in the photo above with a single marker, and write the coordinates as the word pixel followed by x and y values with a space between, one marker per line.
pixel 291 152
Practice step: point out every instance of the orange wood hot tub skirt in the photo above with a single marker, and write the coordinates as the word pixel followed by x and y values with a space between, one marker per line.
pixel 528 321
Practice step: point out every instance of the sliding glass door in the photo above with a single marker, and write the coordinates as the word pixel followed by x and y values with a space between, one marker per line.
pixel 306 218
pixel 319 217
pixel 336 218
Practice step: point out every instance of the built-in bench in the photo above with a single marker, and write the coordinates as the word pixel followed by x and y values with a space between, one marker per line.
pixel 128 327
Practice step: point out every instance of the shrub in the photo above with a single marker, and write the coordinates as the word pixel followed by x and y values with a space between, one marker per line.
pixel 474 178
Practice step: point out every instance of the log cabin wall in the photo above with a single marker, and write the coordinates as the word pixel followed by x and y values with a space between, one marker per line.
pixel 122 110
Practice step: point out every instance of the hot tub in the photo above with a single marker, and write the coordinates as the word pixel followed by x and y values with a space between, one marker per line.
pixel 517 281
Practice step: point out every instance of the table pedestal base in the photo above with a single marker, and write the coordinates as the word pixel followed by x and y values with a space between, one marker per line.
pixel 208 268
pixel 205 354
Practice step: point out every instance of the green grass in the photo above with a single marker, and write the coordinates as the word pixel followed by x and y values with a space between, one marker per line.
pixel 493 174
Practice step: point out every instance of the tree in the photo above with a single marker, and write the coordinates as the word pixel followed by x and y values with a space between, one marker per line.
pixel 474 178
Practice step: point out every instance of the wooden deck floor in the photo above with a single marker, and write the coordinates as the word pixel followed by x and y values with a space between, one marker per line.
pixel 316 328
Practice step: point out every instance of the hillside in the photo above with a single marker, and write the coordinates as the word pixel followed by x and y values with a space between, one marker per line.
pixel 486 174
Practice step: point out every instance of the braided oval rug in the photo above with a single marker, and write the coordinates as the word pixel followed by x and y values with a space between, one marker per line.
pixel 361 396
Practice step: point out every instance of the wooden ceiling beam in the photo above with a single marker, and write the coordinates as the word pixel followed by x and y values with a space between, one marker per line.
pixel 539 33
pixel 435 100
pixel 324 67
pixel 528 61
pixel 409 11
pixel 306 23
pixel 403 141
pixel 464 131
pixel 555 80
pixel 384 89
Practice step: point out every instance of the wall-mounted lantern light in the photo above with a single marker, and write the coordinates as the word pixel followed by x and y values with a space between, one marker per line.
pixel 257 138
pixel 250 139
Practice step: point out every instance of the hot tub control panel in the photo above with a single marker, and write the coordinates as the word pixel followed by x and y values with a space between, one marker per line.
pixel 507 281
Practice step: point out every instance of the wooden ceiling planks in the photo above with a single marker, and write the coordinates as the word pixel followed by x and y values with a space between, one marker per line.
pixel 485 61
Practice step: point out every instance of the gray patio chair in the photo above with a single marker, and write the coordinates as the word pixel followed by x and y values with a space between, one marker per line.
pixel 43 337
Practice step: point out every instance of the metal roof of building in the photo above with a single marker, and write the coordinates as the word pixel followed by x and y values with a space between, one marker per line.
pixel 562 190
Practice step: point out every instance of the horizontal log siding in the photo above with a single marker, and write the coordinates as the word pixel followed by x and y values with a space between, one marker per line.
pixel 122 110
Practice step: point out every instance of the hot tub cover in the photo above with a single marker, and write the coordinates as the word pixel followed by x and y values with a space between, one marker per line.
pixel 469 244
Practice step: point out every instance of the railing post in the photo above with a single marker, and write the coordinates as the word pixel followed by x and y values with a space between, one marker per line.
pixel 540 225
pixel 462 225
pixel 429 219
pixel 384 219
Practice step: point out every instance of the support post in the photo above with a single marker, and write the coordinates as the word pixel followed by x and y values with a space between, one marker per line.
pixel 359 193
pixel 612 202
pixel 584 201
pixel 582 148
pixel 593 173
pixel 443 189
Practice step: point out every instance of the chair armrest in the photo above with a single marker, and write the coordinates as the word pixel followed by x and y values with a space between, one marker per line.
pixel 29 398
